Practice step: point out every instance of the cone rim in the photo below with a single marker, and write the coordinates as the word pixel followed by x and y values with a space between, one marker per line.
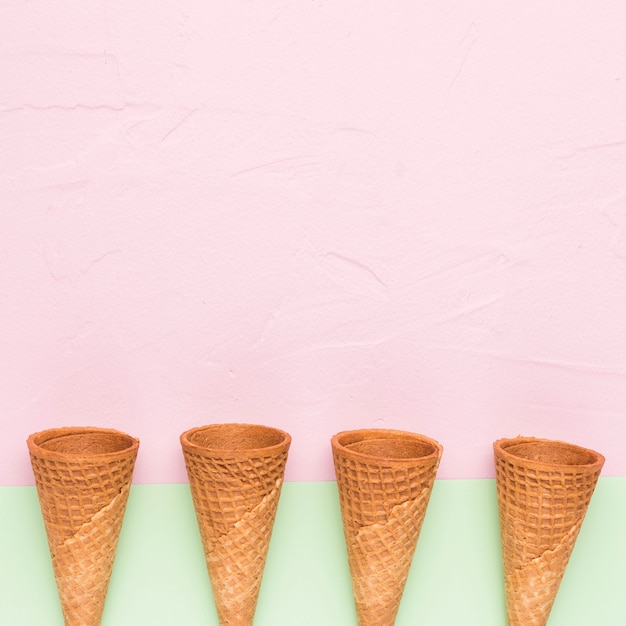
pixel 340 443
pixel 37 440
pixel 277 440
pixel 594 459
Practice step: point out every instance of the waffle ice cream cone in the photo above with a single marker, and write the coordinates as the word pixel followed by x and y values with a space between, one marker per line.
pixel 83 477
pixel 235 475
pixel 384 478
pixel 544 489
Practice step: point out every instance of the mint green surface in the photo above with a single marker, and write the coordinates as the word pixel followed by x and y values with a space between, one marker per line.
pixel 160 577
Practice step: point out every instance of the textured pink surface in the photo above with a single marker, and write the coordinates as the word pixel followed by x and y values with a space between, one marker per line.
pixel 315 215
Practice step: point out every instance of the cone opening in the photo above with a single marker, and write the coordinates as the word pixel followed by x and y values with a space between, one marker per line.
pixel 82 441
pixel 387 444
pixel 549 452
pixel 235 437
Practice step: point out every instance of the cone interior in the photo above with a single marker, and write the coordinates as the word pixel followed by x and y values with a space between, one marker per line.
pixel 235 437
pixel 387 444
pixel 85 443
pixel 551 452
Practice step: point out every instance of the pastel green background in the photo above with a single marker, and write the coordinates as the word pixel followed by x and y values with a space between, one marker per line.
pixel 160 578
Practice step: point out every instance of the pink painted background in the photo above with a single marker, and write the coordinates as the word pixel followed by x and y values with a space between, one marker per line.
pixel 315 215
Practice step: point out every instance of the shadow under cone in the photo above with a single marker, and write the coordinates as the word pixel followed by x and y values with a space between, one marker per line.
pixel 544 489
pixel 83 478
pixel 384 478
pixel 235 475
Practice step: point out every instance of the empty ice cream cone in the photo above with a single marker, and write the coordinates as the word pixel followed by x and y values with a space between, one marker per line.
pixel 384 478
pixel 83 477
pixel 544 488
pixel 235 475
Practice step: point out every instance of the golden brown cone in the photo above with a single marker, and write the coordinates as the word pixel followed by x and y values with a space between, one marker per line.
pixel 385 478
pixel 544 489
pixel 83 477
pixel 235 475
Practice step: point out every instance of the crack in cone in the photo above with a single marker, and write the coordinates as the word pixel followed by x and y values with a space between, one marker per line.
pixel 384 479
pixel 235 475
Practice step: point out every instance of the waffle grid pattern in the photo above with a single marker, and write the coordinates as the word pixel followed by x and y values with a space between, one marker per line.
pixel 224 490
pixel 380 559
pixel 237 559
pixel 72 492
pixel 544 504
pixel 369 491
pixel 88 557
